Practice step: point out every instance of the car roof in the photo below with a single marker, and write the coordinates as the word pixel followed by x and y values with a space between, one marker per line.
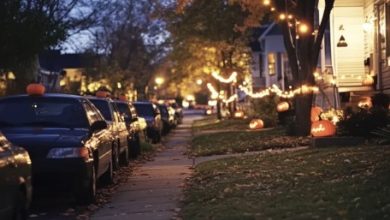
pixel 46 95
pixel 98 98
pixel 142 103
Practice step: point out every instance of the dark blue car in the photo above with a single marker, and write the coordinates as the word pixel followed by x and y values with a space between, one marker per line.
pixel 66 137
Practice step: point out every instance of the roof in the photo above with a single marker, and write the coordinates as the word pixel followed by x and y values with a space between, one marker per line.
pixel 54 61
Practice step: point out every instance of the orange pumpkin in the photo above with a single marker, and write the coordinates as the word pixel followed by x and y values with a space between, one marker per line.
pixel 365 103
pixel 282 107
pixel 102 94
pixel 35 89
pixel 315 113
pixel 239 114
pixel 323 128
pixel 123 97
pixel 256 124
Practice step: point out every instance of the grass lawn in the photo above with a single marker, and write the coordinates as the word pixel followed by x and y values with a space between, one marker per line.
pixel 242 141
pixel 332 183
pixel 212 123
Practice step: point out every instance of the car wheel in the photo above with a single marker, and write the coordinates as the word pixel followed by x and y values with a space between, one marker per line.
pixel 108 176
pixel 86 192
pixel 135 146
pixel 115 155
pixel 124 157
pixel 20 207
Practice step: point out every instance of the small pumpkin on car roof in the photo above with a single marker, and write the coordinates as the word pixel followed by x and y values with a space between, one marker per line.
pixel 102 94
pixel 35 89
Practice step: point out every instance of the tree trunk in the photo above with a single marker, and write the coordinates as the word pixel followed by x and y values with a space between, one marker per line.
pixel 303 104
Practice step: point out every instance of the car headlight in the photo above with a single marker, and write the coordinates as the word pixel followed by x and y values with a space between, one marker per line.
pixel 69 152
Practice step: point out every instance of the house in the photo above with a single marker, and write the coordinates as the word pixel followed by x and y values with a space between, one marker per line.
pixel 61 71
pixel 270 62
pixel 359 45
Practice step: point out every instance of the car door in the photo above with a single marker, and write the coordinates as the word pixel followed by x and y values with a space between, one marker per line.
pixel 8 180
pixel 101 140
pixel 120 126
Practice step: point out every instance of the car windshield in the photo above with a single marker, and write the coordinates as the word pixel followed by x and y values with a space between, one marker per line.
pixel 144 110
pixel 42 112
pixel 124 109
pixel 103 107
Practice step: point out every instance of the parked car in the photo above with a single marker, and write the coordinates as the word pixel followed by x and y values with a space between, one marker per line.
pixel 15 181
pixel 66 137
pixel 152 115
pixel 117 126
pixel 178 112
pixel 167 118
pixel 129 113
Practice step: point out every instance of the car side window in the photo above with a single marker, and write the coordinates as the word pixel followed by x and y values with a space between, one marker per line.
pixel 117 116
pixel 92 113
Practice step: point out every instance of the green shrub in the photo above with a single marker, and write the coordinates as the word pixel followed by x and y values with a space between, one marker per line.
pixel 265 109
pixel 363 121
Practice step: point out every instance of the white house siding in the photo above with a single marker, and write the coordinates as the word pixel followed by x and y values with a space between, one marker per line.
pixel 348 61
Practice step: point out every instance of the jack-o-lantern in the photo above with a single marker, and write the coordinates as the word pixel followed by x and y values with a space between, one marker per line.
pixel 122 98
pixel 102 94
pixel 365 103
pixel 323 128
pixel 315 113
pixel 35 89
pixel 256 124
pixel 282 107
pixel 239 114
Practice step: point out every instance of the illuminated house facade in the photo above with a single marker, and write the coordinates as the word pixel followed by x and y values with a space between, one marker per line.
pixel 270 62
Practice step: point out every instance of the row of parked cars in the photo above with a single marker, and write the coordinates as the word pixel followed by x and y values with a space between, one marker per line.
pixel 70 141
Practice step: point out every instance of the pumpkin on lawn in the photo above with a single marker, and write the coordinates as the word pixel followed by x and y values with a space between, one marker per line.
pixel 315 113
pixel 282 107
pixel 323 128
pixel 239 114
pixel 35 89
pixel 256 124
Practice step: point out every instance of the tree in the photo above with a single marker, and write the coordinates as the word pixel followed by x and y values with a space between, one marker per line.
pixel 131 42
pixel 31 26
pixel 206 39
pixel 303 37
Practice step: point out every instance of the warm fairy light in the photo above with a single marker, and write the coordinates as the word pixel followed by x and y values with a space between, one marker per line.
pixel 303 28
pixel 232 78
pixel 273 9
pixel 214 93
pixel 290 17
pixel 282 16
pixel 231 99
pixel 304 89
pixel 199 81
pixel 266 2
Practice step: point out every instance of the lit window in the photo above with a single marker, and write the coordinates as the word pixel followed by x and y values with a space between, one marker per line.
pixel 271 63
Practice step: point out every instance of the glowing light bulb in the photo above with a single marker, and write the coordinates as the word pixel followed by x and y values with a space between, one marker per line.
pixel 303 28
pixel 282 16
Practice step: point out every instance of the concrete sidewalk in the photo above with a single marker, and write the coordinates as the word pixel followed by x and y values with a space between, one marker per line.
pixel 154 189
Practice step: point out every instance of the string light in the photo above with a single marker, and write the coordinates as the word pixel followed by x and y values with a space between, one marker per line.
pixel 230 99
pixel 232 77
pixel 304 89
pixel 214 93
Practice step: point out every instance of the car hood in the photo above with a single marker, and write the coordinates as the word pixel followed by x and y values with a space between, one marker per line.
pixel 40 141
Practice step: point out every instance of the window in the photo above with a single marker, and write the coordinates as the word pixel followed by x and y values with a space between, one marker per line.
pixel 271 63
pixel 42 112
